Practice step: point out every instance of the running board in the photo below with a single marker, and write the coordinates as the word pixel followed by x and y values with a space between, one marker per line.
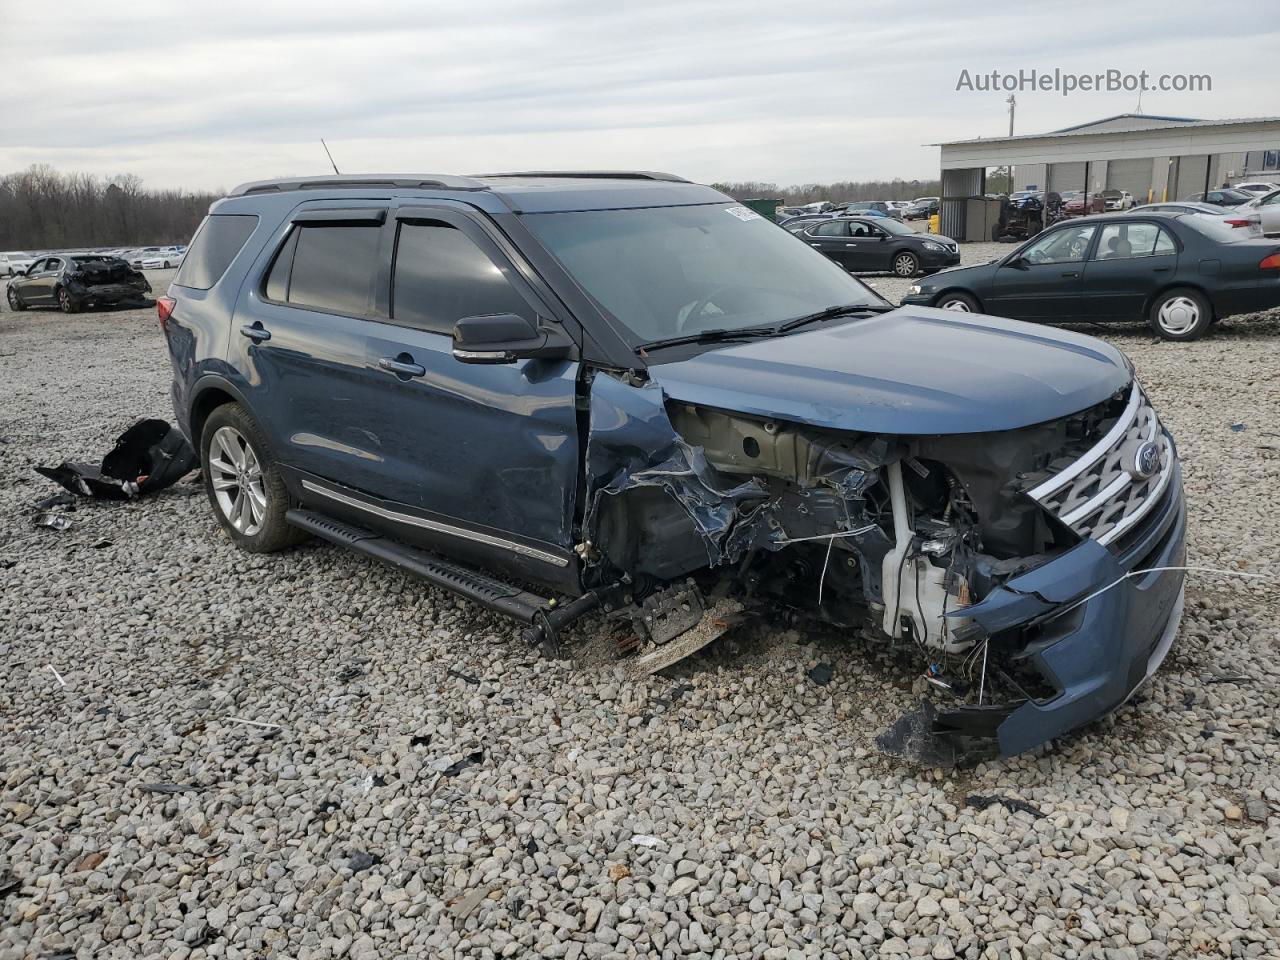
pixel 494 594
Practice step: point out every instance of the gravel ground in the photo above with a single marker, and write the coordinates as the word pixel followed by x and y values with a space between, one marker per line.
pixel 308 756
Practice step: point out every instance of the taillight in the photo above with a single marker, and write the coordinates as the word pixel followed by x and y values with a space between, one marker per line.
pixel 164 310
pixel 1236 221
pixel 1270 263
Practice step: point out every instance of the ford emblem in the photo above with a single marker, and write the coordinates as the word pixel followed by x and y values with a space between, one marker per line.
pixel 1146 460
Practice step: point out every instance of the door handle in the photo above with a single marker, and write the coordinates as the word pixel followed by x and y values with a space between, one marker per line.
pixel 815 244
pixel 402 367
pixel 255 332
pixel 1071 276
pixel 1159 269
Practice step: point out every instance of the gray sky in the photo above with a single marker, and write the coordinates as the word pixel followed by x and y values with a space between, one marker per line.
pixel 206 95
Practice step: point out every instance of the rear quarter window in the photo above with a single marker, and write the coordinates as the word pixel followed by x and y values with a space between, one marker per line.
pixel 215 245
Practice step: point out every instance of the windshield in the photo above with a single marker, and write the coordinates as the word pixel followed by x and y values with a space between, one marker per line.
pixel 673 271
pixel 895 226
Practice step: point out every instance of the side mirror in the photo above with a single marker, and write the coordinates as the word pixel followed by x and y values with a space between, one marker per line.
pixel 1018 263
pixel 506 338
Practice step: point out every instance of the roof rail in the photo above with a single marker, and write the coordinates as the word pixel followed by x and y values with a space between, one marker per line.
pixel 591 175
pixel 366 181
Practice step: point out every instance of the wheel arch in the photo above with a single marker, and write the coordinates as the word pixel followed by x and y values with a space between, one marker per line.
pixel 210 393
pixel 1178 285
pixel 957 289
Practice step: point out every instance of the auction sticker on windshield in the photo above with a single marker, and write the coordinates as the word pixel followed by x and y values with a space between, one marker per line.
pixel 742 213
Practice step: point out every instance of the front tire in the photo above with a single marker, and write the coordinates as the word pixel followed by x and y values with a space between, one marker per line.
pixel 245 488
pixel 15 302
pixel 1181 314
pixel 905 264
pixel 957 301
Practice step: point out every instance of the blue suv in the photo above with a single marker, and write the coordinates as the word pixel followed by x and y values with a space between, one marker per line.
pixel 556 393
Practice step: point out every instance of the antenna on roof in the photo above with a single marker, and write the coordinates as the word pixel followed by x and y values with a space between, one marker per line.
pixel 329 155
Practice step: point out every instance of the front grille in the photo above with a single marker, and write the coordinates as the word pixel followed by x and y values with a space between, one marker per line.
pixel 1103 493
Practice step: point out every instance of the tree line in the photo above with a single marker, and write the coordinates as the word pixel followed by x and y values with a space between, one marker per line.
pixel 43 209
pixel 839 192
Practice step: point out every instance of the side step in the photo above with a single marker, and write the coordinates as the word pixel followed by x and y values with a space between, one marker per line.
pixel 486 591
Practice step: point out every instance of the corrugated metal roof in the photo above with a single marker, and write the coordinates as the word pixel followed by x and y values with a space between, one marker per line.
pixel 1084 131
pixel 1127 116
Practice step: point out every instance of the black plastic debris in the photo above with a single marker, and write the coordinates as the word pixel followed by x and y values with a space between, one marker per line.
pixel 464 677
pixel 821 674
pixel 9 884
pixel 531 847
pixel 167 788
pixel 470 760
pixel 420 740
pixel 360 860
pixel 913 738
pixel 102 542
pixel 56 500
pixel 1012 804
pixel 149 456
pixel 349 673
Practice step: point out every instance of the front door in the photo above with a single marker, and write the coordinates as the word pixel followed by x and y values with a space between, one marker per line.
pixel 38 287
pixel 1131 262
pixel 1045 279
pixel 494 446
pixel 831 237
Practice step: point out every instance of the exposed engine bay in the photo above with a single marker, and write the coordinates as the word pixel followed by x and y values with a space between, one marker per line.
pixel 897 538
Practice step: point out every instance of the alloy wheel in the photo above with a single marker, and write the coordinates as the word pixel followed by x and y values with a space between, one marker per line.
pixel 13 299
pixel 236 476
pixel 1178 315
pixel 904 265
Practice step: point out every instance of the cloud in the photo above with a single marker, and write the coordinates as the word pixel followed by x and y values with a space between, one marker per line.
pixel 206 95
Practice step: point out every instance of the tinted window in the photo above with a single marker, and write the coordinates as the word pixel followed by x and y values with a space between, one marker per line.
pixel 278 278
pixel 441 277
pixel 1061 246
pixel 333 268
pixel 216 244
pixel 833 229
pixel 1122 241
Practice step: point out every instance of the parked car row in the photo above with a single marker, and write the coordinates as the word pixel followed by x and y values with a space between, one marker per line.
pixel 17 262
pixel 73 282
pixel 1179 272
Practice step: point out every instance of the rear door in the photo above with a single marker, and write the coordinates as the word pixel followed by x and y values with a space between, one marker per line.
pixel 831 237
pixel 865 248
pixel 1045 280
pixel 1130 262
pixel 299 336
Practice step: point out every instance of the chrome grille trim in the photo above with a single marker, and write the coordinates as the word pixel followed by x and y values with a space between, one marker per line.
pixel 1096 495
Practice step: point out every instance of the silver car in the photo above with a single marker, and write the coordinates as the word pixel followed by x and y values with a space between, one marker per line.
pixel 1267 208
pixel 1240 218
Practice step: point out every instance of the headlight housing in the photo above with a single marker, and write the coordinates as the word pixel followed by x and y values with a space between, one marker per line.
pixel 915 288
pixel 936 247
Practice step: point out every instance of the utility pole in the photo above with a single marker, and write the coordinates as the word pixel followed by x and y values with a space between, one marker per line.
pixel 1013 105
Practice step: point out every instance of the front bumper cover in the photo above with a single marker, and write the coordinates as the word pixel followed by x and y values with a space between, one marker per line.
pixel 1095 655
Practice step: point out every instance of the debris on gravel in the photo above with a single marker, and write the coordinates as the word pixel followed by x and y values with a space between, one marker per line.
pixel 286 756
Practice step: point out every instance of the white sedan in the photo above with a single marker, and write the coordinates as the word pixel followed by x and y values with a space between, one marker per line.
pixel 15 262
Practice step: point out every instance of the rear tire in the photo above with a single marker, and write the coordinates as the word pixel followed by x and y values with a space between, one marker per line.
pixel 66 302
pixel 1181 314
pixel 958 301
pixel 15 302
pixel 244 487
pixel 905 264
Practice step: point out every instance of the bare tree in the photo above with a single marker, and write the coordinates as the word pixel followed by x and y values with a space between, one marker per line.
pixel 42 209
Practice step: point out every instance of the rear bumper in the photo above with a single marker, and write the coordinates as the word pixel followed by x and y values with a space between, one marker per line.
pixel 1093 656
pixel 110 292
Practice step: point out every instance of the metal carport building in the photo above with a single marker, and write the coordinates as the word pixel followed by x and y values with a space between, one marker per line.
pixel 1152 157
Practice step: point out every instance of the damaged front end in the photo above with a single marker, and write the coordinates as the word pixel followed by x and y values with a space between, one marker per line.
pixel 1009 563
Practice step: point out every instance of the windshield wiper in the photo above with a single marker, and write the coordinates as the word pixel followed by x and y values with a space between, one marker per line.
pixel 830 312
pixel 709 336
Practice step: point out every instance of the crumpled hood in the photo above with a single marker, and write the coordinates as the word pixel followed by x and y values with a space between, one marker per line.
pixel 916 370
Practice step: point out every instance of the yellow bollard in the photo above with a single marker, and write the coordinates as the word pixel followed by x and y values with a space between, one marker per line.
pixel 934 223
